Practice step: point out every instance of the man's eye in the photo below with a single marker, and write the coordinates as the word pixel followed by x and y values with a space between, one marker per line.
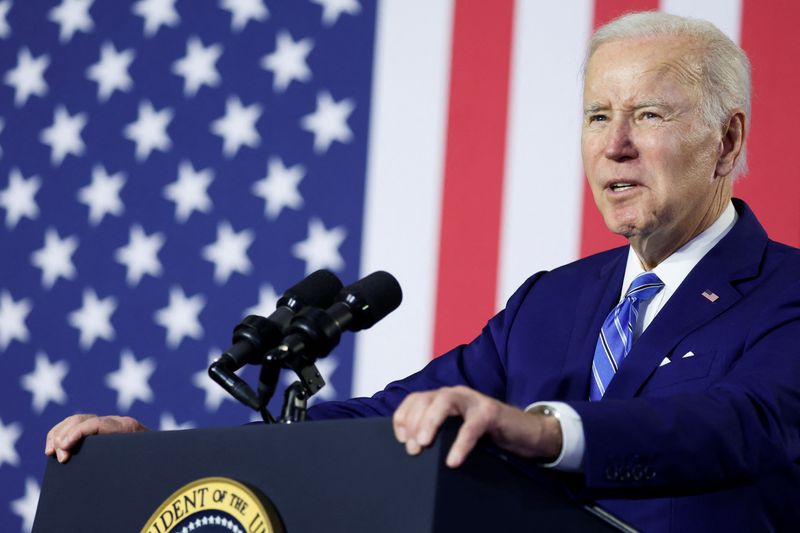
pixel 597 118
pixel 649 115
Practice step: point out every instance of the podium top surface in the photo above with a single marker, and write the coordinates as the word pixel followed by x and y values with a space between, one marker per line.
pixel 347 475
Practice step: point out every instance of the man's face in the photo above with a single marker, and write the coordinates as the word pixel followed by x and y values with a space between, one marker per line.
pixel 650 159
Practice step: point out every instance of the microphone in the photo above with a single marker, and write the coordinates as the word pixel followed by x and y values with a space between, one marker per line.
pixel 255 335
pixel 313 333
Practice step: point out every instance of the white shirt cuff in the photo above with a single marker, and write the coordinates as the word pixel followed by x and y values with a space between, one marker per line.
pixel 573 441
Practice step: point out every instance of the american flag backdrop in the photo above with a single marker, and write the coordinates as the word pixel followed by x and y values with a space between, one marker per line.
pixel 169 166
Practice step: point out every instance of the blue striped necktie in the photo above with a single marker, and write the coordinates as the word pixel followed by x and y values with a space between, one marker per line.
pixel 616 335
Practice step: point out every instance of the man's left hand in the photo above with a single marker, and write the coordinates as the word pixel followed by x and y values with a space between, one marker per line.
pixel 421 414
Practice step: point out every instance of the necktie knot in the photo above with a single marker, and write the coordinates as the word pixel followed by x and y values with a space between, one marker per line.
pixel 644 286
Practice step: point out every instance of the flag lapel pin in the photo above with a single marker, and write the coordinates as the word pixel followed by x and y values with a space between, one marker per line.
pixel 710 296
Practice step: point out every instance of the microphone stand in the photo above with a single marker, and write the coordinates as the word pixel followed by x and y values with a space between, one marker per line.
pixel 296 396
pixel 267 384
pixel 295 404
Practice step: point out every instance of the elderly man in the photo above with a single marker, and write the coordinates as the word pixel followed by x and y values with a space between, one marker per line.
pixel 667 373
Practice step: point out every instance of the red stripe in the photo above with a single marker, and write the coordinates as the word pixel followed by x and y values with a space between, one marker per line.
pixel 473 174
pixel 772 186
pixel 595 236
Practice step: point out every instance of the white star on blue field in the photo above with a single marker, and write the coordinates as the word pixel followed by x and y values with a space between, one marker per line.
pixel 166 168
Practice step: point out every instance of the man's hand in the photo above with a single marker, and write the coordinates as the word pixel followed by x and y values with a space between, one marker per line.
pixel 421 414
pixel 65 436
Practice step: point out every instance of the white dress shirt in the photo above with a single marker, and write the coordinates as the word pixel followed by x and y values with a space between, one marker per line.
pixel 672 271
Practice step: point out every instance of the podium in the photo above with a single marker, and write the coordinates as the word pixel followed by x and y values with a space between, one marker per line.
pixel 330 476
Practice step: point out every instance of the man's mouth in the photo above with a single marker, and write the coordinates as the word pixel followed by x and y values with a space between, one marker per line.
pixel 621 186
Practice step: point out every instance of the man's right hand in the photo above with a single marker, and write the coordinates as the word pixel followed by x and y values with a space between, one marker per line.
pixel 65 436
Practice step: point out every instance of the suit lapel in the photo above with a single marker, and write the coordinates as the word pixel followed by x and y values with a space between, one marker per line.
pixel 595 302
pixel 736 257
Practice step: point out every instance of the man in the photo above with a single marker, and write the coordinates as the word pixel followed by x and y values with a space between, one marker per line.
pixel 675 362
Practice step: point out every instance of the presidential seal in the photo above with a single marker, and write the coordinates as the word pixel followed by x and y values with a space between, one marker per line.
pixel 214 505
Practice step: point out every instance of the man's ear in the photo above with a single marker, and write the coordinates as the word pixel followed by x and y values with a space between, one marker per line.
pixel 731 143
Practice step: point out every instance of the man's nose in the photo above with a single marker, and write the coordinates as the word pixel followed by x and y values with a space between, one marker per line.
pixel 619 141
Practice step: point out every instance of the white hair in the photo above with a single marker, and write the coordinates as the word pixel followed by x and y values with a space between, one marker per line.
pixel 724 69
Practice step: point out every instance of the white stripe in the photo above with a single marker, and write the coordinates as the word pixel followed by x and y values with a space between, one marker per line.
pixel 543 176
pixel 598 381
pixel 607 350
pixel 404 176
pixel 621 333
pixel 724 14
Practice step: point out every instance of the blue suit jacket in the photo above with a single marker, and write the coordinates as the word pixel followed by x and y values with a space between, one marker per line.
pixel 704 443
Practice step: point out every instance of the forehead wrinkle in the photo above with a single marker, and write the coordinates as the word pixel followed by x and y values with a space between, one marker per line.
pixel 685 69
pixel 688 74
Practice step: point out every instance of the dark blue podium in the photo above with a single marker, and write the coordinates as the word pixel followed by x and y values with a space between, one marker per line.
pixel 332 476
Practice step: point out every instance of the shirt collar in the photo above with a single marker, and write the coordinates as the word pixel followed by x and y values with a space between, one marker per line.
pixel 674 269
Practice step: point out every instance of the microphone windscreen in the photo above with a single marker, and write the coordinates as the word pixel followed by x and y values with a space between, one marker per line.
pixel 318 289
pixel 372 298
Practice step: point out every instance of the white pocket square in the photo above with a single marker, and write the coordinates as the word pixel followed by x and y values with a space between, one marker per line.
pixel 665 361
pixel 688 354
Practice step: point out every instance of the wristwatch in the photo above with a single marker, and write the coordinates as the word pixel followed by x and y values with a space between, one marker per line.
pixel 546 410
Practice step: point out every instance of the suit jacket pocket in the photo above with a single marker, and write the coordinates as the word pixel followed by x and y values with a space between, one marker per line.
pixel 682 369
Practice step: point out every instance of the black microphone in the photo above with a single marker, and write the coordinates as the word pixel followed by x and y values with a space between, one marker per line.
pixel 313 333
pixel 255 335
